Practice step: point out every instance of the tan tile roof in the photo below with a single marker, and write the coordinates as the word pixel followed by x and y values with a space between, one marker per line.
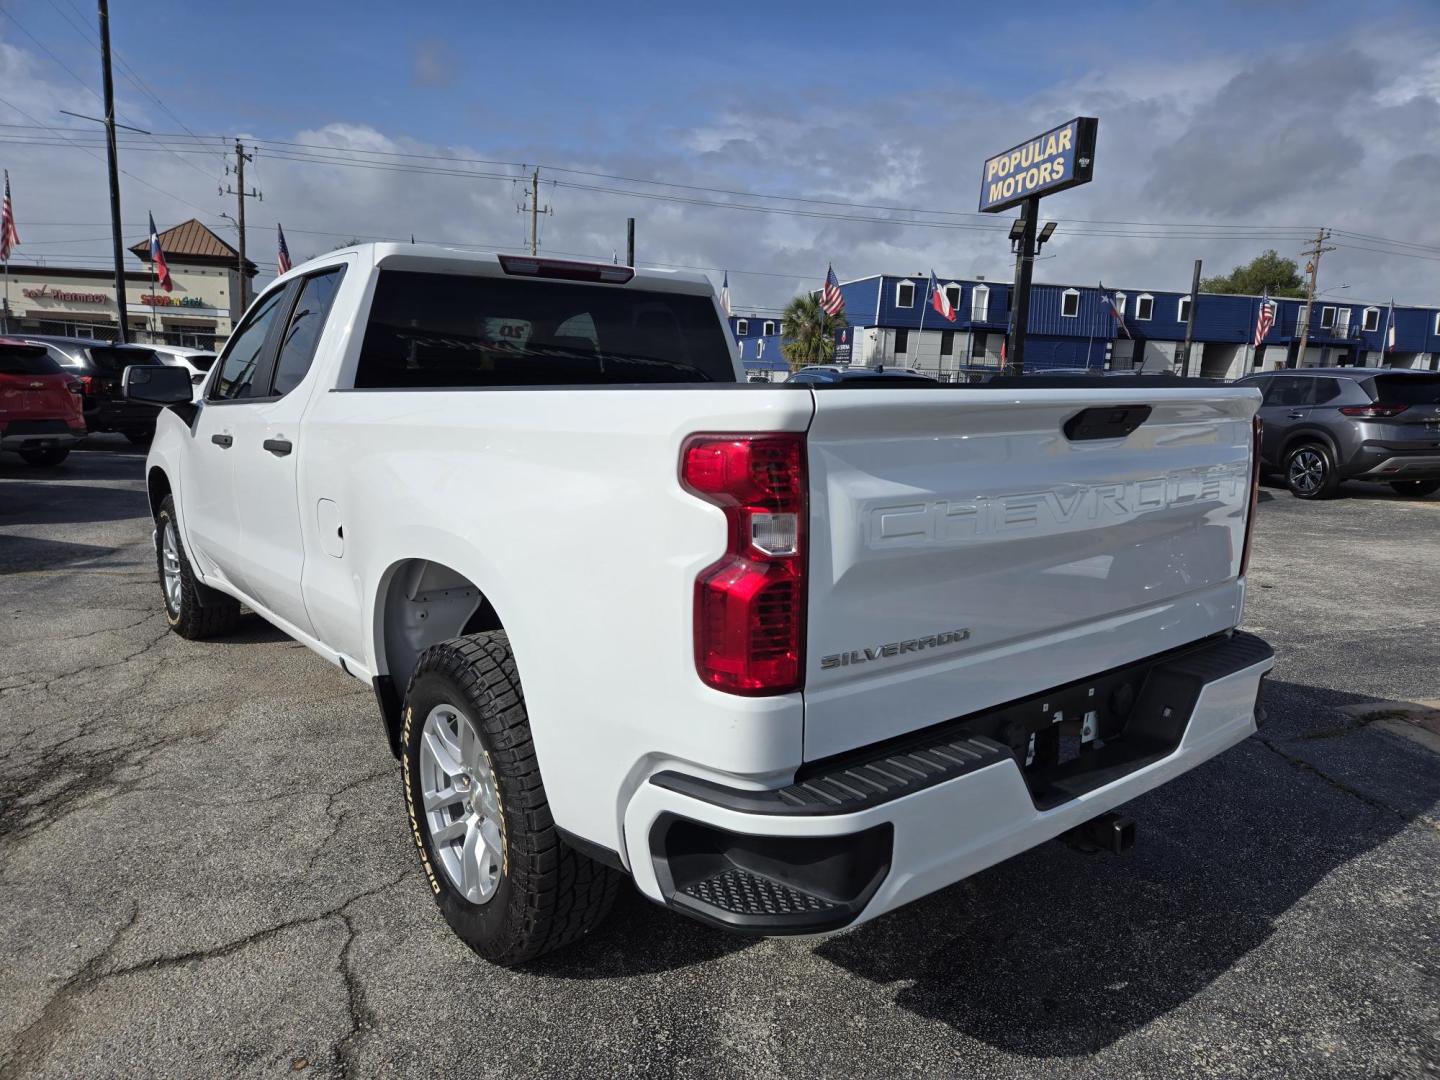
pixel 188 238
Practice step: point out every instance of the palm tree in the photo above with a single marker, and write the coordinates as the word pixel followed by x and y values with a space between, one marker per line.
pixel 809 332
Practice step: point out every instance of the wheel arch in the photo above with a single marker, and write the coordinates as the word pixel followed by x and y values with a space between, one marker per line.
pixel 419 602
pixel 1310 435
pixel 157 486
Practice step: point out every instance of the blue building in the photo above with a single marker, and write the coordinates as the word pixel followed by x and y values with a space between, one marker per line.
pixel 1071 326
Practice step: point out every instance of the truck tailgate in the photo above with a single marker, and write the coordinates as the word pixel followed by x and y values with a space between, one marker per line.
pixel 965 551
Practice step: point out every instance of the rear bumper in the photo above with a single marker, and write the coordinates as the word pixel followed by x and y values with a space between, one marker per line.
pixel 1408 466
pixel 119 415
pixel 40 434
pixel 865 836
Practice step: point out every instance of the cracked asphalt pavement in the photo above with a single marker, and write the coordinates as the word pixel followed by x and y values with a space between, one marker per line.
pixel 205 869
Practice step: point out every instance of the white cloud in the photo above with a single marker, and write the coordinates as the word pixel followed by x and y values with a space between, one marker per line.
pixel 1260 141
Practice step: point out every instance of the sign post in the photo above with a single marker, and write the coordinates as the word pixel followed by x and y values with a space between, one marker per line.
pixel 1061 158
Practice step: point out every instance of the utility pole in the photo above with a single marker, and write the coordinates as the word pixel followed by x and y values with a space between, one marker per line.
pixel 630 241
pixel 241 157
pixel 535 210
pixel 116 238
pixel 1314 252
pixel 1190 322
pixel 1020 297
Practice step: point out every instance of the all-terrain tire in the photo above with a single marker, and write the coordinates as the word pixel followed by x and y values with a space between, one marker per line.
pixel 547 894
pixel 1310 471
pixel 51 455
pixel 196 610
pixel 1416 489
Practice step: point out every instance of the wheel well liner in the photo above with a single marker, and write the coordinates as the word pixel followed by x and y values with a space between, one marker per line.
pixel 157 486
pixel 423 603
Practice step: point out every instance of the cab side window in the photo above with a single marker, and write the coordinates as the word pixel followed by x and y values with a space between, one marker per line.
pixel 244 355
pixel 302 333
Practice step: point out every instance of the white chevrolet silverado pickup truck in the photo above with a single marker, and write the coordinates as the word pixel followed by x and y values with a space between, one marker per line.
pixel 788 656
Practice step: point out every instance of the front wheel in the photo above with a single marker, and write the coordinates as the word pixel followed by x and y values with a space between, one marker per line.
pixel 52 455
pixel 505 881
pixel 193 609
pixel 1310 472
pixel 1416 489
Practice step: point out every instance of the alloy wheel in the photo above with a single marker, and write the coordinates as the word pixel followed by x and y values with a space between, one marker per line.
pixel 1307 471
pixel 170 565
pixel 462 803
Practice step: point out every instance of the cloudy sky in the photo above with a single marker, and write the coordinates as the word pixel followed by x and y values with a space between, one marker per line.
pixel 850 134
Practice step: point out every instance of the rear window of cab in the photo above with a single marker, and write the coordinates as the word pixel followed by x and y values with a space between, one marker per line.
pixel 429 330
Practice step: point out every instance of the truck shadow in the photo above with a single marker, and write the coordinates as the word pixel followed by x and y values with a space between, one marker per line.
pixel 38 502
pixel 1055 953
pixel 639 938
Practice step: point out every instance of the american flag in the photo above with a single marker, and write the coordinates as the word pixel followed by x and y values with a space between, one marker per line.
pixel 831 298
pixel 157 258
pixel 1390 329
pixel 284 259
pixel 725 294
pixel 1266 318
pixel 9 235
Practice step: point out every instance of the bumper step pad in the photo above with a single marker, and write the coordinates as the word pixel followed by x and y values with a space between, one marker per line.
pixel 742 892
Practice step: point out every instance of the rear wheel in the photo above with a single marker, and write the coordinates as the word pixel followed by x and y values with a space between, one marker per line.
pixel 51 455
pixel 1310 472
pixel 194 610
pixel 1415 488
pixel 505 881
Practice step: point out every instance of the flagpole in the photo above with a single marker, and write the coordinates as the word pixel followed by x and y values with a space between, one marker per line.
pixel 919 337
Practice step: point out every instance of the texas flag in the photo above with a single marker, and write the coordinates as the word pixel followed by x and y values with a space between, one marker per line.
pixel 939 301
pixel 157 258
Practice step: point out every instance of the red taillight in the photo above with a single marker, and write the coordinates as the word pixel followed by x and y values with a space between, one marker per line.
pixel 1256 429
pixel 87 384
pixel 1373 410
pixel 750 605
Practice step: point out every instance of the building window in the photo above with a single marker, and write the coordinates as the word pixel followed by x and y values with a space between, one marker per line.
pixel 768 328
pixel 1342 322
pixel 978 342
pixel 1120 302
pixel 1327 318
pixel 1372 318
pixel 1182 309
pixel 947 342
pixel 902 341
pixel 742 327
pixel 980 303
pixel 1437 324
pixel 1144 307
pixel 905 294
pixel 952 294
pixel 1070 303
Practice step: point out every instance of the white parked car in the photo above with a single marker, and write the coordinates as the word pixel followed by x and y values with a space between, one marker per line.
pixel 196 361
pixel 788 656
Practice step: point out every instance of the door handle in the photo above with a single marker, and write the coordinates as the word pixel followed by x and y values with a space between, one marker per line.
pixel 1296 415
pixel 278 447
pixel 224 441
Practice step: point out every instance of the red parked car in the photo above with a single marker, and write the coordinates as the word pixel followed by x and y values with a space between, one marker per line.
pixel 41 408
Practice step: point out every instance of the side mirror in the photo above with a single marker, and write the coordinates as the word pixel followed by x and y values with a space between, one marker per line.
pixel 157 385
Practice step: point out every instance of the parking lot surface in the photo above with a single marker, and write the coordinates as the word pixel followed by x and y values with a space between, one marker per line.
pixel 205 868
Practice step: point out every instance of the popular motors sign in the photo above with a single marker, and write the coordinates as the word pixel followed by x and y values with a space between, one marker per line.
pixel 1061 158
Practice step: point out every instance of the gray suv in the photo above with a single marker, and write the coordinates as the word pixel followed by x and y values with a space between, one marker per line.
pixel 1325 425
